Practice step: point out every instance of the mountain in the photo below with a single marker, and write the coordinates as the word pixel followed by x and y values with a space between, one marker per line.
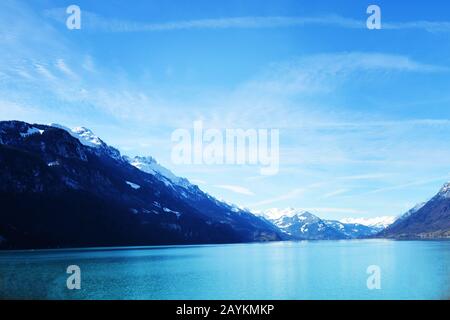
pixel 377 223
pixel 63 187
pixel 353 230
pixel 409 213
pixel 426 220
pixel 304 225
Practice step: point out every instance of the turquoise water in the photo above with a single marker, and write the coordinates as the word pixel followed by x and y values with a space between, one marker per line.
pixel 280 270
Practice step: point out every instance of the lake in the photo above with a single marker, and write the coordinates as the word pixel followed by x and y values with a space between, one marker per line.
pixel 278 270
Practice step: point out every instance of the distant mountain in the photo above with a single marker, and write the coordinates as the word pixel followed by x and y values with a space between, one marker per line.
pixel 353 230
pixel 377 223
pixel 304 225
pixel 426 220
pixel 63 187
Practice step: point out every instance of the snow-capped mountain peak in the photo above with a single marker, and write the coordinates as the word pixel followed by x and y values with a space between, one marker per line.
pixel 305 215
pixel 376 222
pixel 150 165
pixel 84 135
pixel 87 137
pixel 445 191
pixel 305 225
pixel 275 213
pixel 302 216
pixel 147 164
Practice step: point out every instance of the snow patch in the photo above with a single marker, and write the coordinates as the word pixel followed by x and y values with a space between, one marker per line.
pixel 149 165
pixel 87 137
pixel 276 213
pixel 31 131
pixel 377 222
pixel 445 191
pixel 84 135
pixel 133 185
pixel 167 210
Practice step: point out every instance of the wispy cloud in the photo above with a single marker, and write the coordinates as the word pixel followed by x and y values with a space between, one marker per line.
pixel 236 189
pixel 323 72
pixel 290 195
pixel 64 68
pixel 380 124
pixel 44 71
pixel 197 181
pixel 267 99
pixel 96 22
pixel 334 193
pixel 334 210
pixel 430 26
pixel 409 184
pixel 367 176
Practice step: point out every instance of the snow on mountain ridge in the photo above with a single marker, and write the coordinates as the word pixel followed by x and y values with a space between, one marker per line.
pixel 31 131
pixel 84 135
pixel 445 191
pixel 379 222
pixel 87 137
pixel 275 213
pixel 147 164
pixel 410 212
pixel 150 165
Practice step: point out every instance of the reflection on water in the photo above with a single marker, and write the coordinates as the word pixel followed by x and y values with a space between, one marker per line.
pixel 280 270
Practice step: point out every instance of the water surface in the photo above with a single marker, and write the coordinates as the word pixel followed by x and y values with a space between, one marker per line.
pixel 280 270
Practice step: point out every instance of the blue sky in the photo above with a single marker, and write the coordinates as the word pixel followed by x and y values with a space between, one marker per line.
pixel 363 114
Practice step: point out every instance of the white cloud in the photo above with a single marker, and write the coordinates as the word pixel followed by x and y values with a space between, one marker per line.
pixel 334 193
pixel 64 68
pixel 376 221
pixel 96 22
pixel 367 176
pixel 197 181
pixel 44 71
pixel 236 189
pixel 335 210
pixel 274 213
pixel 88 64
pixel 290 195
pixel 410 184
pixel 430 26
pixel 322 72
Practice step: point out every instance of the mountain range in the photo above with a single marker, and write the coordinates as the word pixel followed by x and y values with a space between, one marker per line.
pixel 67 188
pixel 303 225
pixel 62 187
